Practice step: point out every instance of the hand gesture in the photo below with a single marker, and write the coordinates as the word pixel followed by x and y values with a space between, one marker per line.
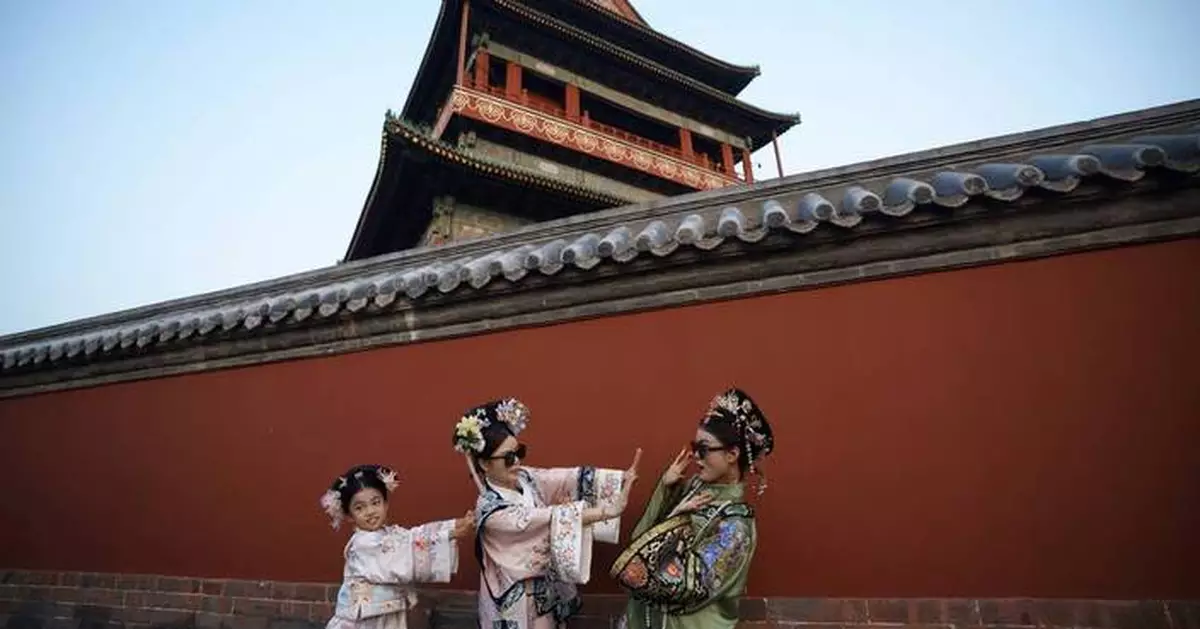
pixel 693 503
pixel 631 473
pixel 627 481
pixel 464 526
pixel 675 470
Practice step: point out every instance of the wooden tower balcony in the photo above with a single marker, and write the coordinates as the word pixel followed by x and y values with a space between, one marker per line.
pixel 521 110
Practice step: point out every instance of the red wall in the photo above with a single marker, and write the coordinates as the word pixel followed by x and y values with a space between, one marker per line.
pixel 1016 430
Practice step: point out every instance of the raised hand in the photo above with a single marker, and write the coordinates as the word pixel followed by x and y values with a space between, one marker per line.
pixel 631 474
pixel 627 481
pixel 608 512
pixel 694 502
pixel 675 470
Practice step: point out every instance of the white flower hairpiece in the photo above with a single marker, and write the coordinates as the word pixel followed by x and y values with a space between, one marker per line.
pixel 468 433
pixel 331 504
pixel 388 478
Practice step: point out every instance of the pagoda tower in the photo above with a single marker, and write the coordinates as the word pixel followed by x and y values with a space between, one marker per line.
pixel 533 110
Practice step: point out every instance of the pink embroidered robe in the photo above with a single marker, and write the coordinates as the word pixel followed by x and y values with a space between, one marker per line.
pixel 382 565
pixel 534 548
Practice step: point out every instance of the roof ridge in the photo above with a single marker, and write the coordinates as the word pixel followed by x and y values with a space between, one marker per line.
pixel 630 56
pixel 645 27
pixel 1049 162
pixel 992 147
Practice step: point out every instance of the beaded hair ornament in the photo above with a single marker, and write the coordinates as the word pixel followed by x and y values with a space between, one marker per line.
pixel 468 432
pixel 331 500
pixel 750 424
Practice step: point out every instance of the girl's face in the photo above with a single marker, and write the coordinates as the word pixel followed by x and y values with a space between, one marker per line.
pixel 717 463
pixel 368 509
pixel 501 468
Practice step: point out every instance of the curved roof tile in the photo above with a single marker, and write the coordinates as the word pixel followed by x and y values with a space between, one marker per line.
pixel 747 221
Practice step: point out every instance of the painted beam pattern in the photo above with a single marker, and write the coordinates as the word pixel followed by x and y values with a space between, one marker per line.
pixel 514 117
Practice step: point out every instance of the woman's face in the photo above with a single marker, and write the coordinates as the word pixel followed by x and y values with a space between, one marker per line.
pixel 368 509
pixel 502 467
pixel 716 462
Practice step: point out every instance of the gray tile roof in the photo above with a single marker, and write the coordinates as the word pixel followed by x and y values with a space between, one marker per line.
pixel 1044 164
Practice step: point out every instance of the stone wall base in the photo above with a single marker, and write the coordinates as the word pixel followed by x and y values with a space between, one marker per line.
pixel 72 600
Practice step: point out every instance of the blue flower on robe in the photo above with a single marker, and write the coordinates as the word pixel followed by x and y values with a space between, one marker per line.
pixel 724 553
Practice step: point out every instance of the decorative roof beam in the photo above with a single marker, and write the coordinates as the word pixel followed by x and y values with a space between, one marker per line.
pixel 501 112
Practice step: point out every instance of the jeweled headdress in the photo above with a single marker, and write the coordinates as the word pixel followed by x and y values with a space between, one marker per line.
pixel 736 407
pixel 469 439
pixel 468 432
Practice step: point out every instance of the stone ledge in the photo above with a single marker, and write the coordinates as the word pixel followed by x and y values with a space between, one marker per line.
pixel 68 600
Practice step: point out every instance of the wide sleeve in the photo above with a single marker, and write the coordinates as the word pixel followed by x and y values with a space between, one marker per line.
pixel 559 485
pixel 683 575
pixel 594 486
pixel 540 539
pixel 423 554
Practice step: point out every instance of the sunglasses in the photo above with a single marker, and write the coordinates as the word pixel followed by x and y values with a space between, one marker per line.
pixel 702 450
pixel 512 456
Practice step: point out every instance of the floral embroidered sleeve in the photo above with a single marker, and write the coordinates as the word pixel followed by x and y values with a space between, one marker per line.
pixel 703 570
pixel 395 555
pixel 553 535
pixel 596 487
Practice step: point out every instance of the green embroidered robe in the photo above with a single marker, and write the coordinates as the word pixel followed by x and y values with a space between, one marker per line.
pixel 688 572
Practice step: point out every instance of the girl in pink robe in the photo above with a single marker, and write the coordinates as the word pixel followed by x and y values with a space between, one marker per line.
pixel 383 560
pixel 535 526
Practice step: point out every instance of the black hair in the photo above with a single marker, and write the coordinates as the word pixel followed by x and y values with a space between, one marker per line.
pixel 356 479
pixel 726 432
pixel 494 434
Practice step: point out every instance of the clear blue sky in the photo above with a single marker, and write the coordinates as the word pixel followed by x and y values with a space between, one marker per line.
pixel 152 150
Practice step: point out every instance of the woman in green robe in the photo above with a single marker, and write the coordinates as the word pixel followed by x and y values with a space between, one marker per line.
pixel 686 567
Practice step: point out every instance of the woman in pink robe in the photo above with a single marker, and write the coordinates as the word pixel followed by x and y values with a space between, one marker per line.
pixel 535 526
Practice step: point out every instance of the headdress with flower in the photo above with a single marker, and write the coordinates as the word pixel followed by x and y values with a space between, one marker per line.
pixel 469 439
pixel 468 432
pixel 333 500
pixel 735 407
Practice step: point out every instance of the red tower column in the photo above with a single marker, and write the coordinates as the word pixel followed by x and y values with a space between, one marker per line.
pixel 685 143
pixel 482 65
pixel 727 160
pixel 512 81
pixel 572 97
pixel 460 70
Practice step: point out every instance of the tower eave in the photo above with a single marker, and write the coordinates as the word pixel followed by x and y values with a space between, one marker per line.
pixel 435 74
pixel 727 76
pixel 423 96
pixel 403 142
